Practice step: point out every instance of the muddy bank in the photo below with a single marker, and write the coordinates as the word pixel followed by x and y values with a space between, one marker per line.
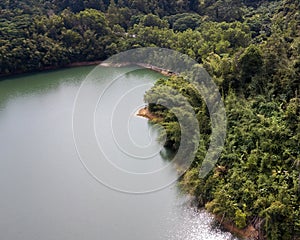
pixel 144 112
pixel 165 72
pixel 247 233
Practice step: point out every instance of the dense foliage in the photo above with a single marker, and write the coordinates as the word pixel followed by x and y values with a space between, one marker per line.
pixel 256 181
pixel 250 48
pixel 37 34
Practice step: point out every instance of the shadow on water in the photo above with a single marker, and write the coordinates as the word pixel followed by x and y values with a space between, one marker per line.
pixel 12 87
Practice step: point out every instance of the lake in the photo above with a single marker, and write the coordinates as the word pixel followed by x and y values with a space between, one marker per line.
pixel 77 163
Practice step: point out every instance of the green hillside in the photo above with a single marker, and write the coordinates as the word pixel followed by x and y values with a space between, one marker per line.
pixel 250 48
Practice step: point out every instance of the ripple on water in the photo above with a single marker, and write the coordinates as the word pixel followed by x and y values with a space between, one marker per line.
pixel 190 224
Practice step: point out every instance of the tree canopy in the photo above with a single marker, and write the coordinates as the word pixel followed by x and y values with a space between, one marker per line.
pixel 250 48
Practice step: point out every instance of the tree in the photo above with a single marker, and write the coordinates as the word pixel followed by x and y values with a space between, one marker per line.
pixel 250 63
pixel 152 20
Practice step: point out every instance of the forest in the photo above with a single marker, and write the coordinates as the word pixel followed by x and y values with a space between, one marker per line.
pixel 251 48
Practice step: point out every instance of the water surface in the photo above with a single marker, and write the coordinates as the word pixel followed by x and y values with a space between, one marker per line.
pixel 47 192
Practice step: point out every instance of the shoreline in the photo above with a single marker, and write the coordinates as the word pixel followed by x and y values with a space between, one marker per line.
pixel 145 113
pixel 164 72
pixel 50 68
pixel 249 232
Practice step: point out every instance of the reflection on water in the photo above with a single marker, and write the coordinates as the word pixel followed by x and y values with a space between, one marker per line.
pixel 15 87
pixel 191 224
